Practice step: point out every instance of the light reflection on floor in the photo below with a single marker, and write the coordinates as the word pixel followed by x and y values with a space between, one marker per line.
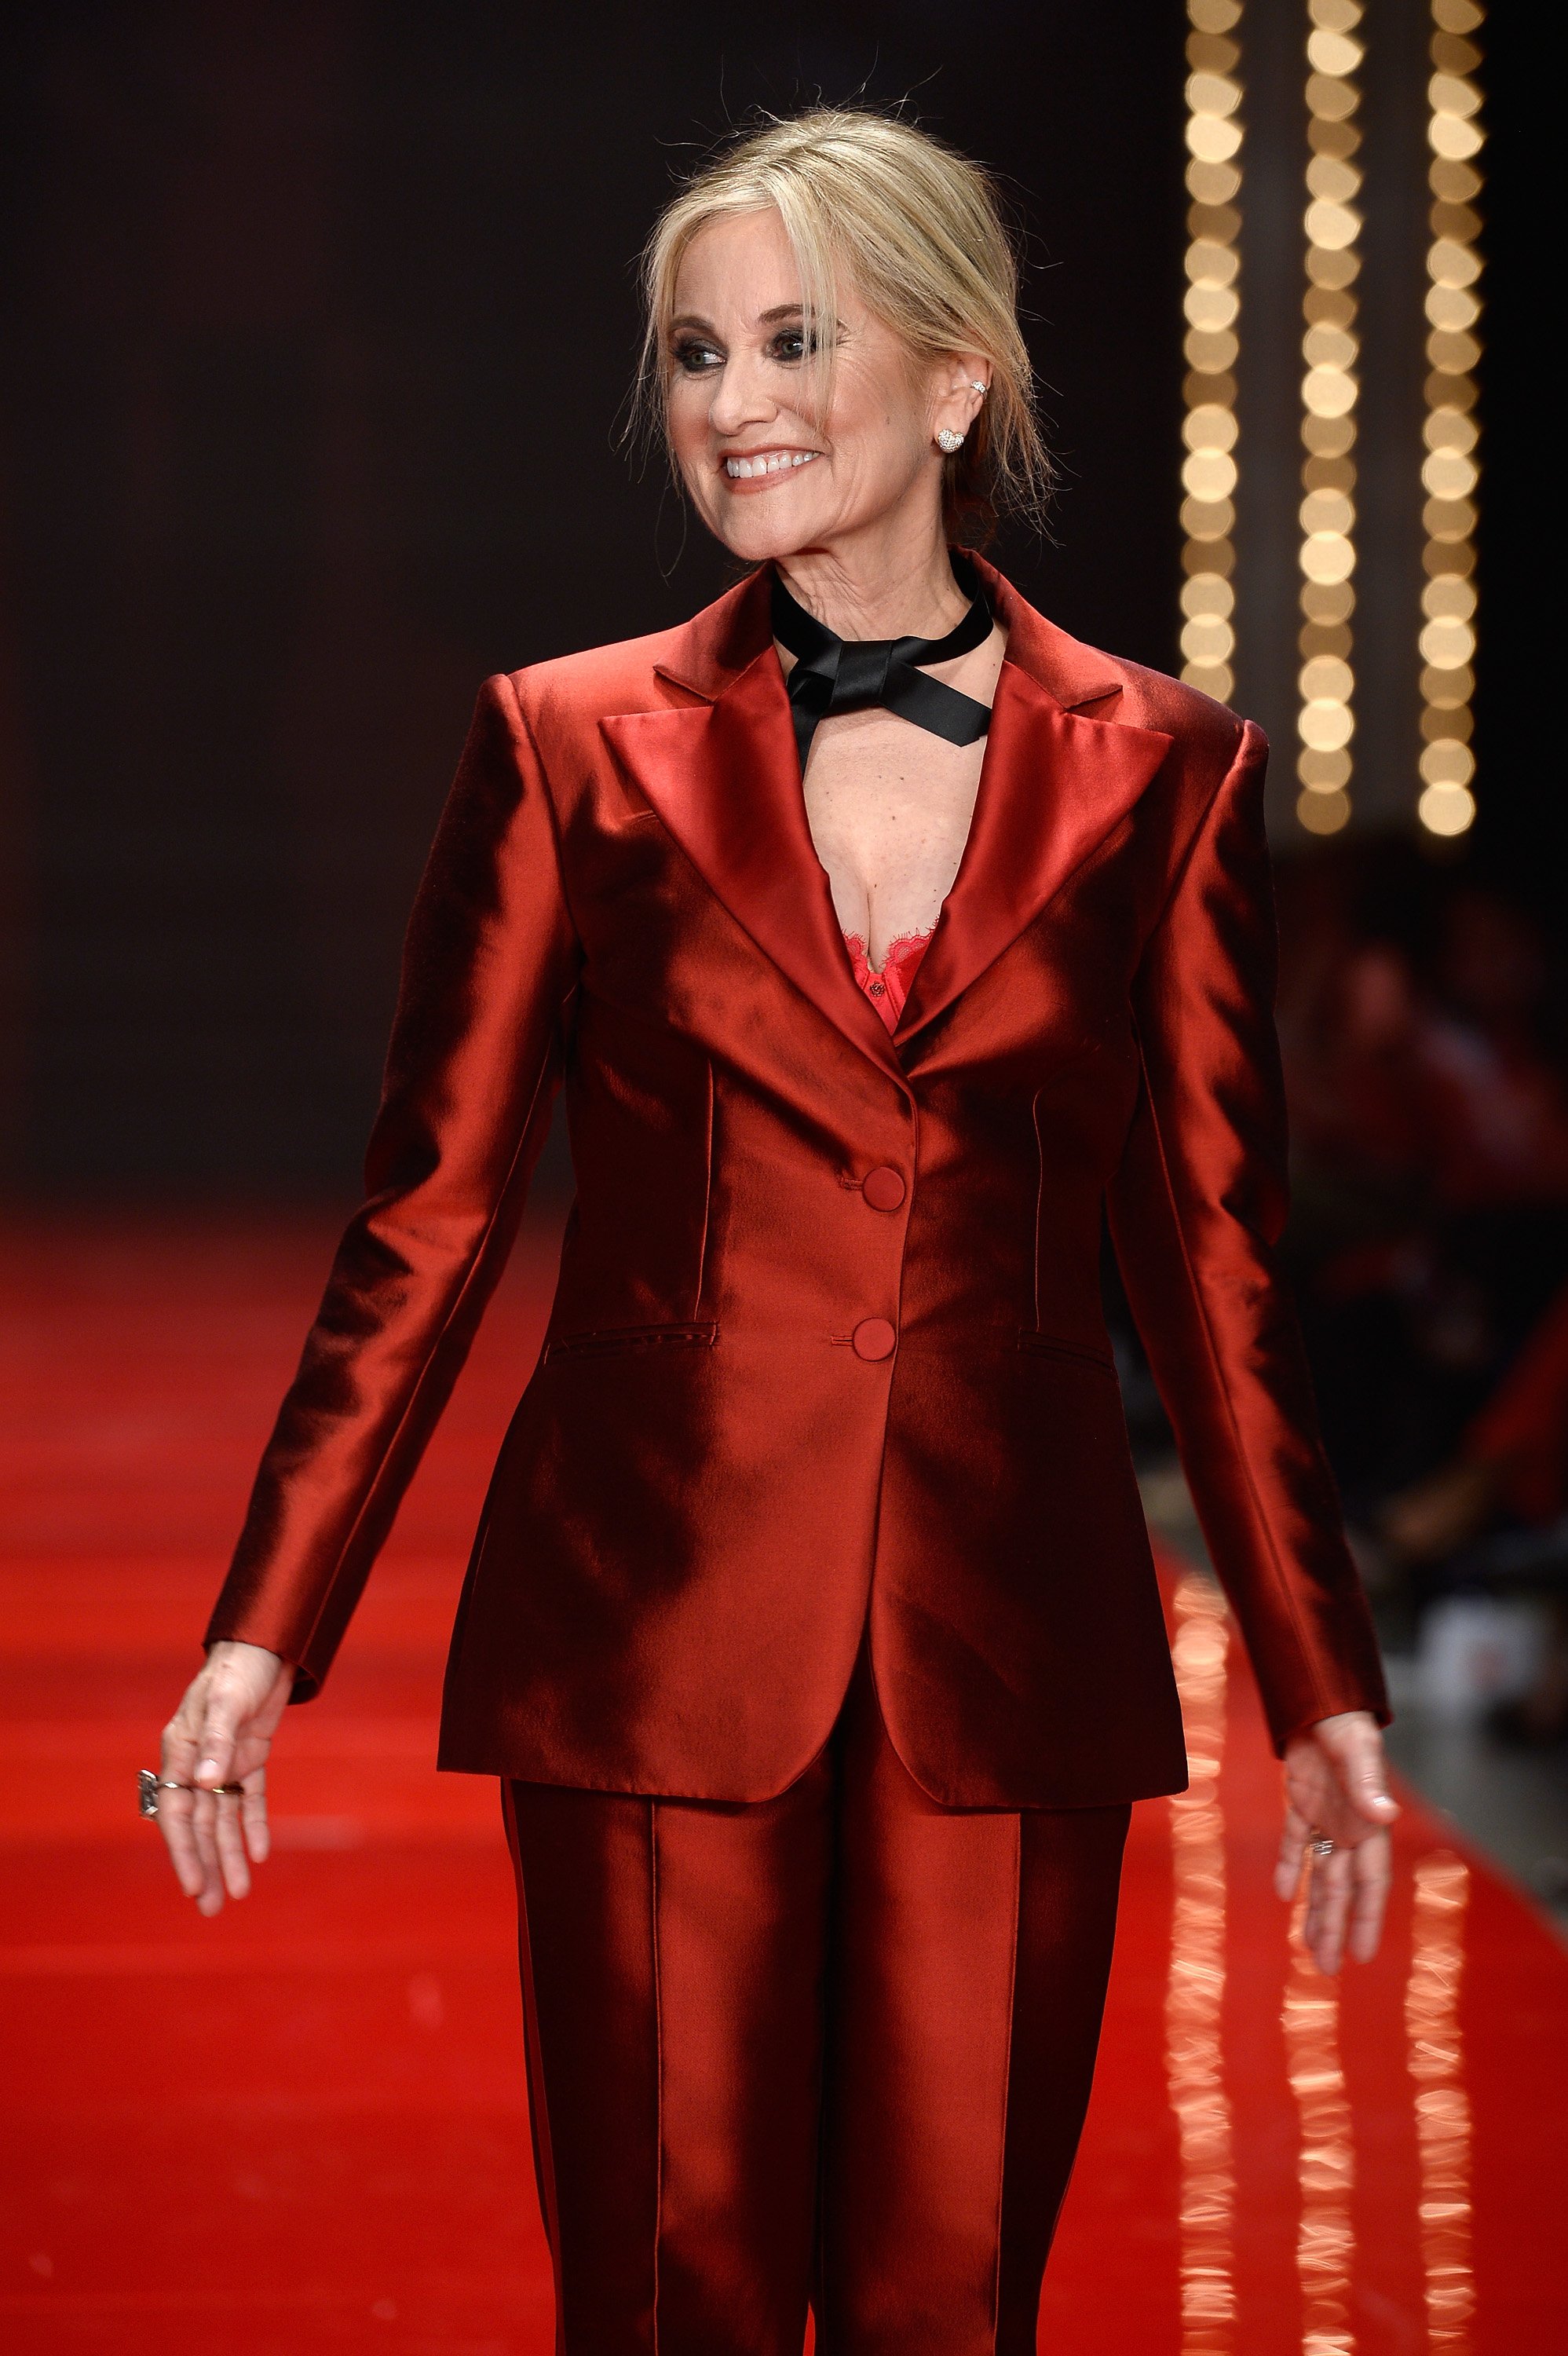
pixel 1434 2028
pixel 1325 2240
pixel 1195 1996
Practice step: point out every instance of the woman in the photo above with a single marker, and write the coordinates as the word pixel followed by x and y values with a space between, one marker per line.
pixel 882 935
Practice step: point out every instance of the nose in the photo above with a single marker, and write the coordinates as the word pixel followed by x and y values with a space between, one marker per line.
pixel 740 397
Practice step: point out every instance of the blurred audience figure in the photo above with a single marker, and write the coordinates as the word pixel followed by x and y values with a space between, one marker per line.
pixel 1511 1470
pixel 1421 1020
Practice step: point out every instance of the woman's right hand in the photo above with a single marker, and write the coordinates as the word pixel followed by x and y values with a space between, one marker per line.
pixel 221 1733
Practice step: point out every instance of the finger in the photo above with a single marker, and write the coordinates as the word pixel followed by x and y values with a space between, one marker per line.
pixel 203 1813
pixel 233 1863
pixel 254 1820
pixel 1292 1848
pixel 178 1754
pixel 1364 1777
pixel 1327 1910
pixel 174 1822
pixel 1371 1871
pixel 220 1731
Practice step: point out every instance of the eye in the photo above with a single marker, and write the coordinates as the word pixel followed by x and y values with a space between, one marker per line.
pixel 793 345
pixel 695 357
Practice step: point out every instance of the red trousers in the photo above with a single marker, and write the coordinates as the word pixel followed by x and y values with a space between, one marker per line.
pixel 834 2047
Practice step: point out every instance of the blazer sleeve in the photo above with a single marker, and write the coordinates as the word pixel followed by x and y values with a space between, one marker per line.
pixel 1196 1213
pixel 489 965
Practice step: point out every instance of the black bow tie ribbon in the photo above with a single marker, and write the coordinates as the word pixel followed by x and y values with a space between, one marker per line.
pixel 833 675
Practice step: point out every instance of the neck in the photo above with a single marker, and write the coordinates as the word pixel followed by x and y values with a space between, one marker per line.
pixel 887 583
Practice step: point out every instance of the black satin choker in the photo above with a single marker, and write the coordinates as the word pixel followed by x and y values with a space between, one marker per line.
pixel 833 675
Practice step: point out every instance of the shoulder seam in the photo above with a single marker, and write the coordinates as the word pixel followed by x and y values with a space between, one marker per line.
pixel 1247 727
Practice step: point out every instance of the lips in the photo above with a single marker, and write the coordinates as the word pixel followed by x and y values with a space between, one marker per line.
pixel 760 466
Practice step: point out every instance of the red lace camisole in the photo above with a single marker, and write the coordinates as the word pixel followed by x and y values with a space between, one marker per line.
pixel 887 990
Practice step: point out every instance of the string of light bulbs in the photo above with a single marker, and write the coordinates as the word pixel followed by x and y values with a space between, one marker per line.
pixel 1212 308
pixel 1449 473
pixel 1325 718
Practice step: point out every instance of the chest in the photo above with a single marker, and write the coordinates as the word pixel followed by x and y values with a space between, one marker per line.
pixel 890 807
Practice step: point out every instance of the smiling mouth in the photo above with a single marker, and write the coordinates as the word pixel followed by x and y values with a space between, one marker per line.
pixel 767 462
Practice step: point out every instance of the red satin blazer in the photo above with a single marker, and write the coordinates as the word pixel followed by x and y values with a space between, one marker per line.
pixel 827 1341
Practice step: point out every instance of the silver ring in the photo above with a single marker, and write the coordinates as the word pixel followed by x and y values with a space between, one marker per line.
pixel 1322 1845
pixel 975 386
pixel 149 1783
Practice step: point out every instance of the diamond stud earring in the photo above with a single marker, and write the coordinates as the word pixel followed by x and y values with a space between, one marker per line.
pixel 947 440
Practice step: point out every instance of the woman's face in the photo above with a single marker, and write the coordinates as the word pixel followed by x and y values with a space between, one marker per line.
pixel 769 477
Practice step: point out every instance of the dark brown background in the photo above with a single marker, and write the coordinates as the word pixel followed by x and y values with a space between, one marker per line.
pixel 317 325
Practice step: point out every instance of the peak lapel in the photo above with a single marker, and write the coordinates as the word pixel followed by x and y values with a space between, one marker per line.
pixel 1053 786
pixel 725 780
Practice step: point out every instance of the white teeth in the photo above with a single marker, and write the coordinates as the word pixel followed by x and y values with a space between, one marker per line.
pixel 772 461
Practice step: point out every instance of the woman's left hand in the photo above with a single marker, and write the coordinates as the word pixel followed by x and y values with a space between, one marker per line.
pixel 1336 1789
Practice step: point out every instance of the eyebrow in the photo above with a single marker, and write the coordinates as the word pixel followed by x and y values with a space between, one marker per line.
pixel 764 319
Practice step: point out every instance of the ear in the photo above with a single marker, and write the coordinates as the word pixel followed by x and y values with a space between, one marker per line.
pixel 960 382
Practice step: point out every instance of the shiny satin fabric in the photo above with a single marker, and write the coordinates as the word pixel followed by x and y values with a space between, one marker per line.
pixel 722 2000
pixel 770 1407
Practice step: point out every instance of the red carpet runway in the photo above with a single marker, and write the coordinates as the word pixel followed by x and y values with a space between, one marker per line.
pixel 302 2127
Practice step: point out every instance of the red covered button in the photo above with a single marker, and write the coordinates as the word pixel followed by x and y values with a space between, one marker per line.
pixel 882 1188
pixel 873 1338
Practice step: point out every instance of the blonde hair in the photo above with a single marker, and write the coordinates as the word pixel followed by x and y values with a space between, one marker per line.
pixel 921 233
